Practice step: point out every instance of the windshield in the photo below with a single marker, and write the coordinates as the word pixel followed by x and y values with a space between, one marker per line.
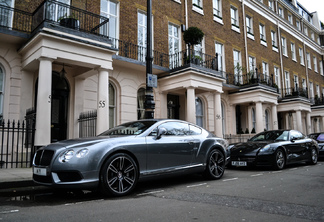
pixel 271 135
pixel 131 128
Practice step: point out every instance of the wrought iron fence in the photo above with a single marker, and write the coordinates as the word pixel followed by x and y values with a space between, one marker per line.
pixel 15 19
pixel 250 79
pixel 16 144
pixel 87 124
pixel 237 138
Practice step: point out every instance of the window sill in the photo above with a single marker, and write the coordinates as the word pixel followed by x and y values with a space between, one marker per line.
pixel 275 49
pixel 250 36
pixel 198 10
pixel 219 20
pixel 235 28
pixel 264 43
pixel 177 1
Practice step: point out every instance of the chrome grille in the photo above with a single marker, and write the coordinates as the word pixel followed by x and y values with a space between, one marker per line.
pixel 43 157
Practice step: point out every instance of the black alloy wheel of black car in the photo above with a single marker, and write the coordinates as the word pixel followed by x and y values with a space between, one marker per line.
pixel 215 165
pixel 314 156
pixel 279 160
pixel 119 175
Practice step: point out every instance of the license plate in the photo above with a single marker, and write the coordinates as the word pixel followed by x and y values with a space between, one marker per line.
pixel 40 171
pixel 239 163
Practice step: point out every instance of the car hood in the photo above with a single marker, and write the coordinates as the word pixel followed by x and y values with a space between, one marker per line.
pixel 87 142
pixel 249 147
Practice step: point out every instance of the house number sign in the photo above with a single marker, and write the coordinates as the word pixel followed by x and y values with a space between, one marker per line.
pixel 102 104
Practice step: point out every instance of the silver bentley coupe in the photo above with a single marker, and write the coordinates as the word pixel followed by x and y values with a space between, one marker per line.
pixel 117 159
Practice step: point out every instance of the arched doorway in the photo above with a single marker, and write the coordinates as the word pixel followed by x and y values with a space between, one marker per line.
pixel 59 108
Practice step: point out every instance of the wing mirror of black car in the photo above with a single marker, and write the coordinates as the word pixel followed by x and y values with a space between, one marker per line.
pixel 161 131
pixel 293 139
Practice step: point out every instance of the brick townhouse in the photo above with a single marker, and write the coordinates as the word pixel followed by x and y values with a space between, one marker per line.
pixel 259 65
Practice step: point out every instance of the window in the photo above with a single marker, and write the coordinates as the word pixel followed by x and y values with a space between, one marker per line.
pixel 237 67
pixel 265 71
pixel 311 89
pixel 251 64
pixel 234 17
pixel 141 35
pixel 308 60
pixel 262 32
pixel 284 46
pixel 174 43
pixel 217 8
pixel 270 4
pixel 312 36
pixel 280 12
pixel 6 15
pixel 293 51
pixel 199 112
pixel 274 39
pixel 305 30
pixel 197 3
pixel 249 25
pixel 296 82
pixel 290 19
pixel 315 64
pixel 108 8
pixel 140 103
pixel 304 84
pixel 176 129
pixel 220 53
pixel 318 93
pixel 277 76
pixel 112 106
pixel 287 83
pixel 321 67
pixel 2 77
pixel 298 25
pixel 301 56
pixel 199 50
pixel 267 119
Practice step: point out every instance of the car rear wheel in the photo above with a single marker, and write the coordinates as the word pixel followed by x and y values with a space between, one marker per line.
pixel 119 175
pixel 314 157
pixel 280 161
pixel 215 165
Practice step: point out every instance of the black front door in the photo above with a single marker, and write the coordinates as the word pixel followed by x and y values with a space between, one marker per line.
pixel 60 97
pixel 173 106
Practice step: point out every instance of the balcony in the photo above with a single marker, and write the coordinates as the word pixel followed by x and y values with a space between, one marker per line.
pixel 55 15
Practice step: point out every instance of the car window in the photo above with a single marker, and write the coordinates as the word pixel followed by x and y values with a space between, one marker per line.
pixel 271 135
pixel 175 128
pixel 296 135
pixel 321 137
pixel 193 130
pixel 132 128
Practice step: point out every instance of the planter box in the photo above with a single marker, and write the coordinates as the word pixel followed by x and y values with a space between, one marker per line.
pixel 70 23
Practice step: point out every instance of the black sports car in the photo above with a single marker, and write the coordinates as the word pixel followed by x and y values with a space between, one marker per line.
pixel 115 160
pixel 275 148
pixel 319 137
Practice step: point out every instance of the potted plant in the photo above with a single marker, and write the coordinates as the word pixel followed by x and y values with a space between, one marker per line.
pixel 69 21
pixel 192 36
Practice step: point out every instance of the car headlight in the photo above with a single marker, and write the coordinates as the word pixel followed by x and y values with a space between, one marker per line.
pixel 66 156
pixel 82 153
pixel 265 148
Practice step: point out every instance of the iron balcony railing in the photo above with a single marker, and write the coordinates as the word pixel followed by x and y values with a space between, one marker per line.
pixel 317 100
pixel 250 79
pixel 293 92
pixel 15 19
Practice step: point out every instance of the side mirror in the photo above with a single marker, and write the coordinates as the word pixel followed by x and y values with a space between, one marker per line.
pixel 293 139
pixel 160 132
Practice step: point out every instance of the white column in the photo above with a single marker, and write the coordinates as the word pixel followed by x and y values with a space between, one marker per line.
pixel 78 103
pixel 287 126
pixel 274 117
pixel 299 121
pixel 43 106
pixel 258 117
pixel 218 124
pixel 249 115
pixel 103 101
pixel 191 105
pixel 164 105
pixel 232 120
pixel 322 124
pixel 308 123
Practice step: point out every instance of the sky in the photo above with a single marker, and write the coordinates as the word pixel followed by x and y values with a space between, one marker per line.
pixel 314 5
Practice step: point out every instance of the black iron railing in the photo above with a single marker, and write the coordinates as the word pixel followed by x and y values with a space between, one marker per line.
pixel 317 100
pixel 185 57
pixel 15 147
pixel 250 79
pixel 87 124
pixel 295 91
pixel 137 52
pixel 15 19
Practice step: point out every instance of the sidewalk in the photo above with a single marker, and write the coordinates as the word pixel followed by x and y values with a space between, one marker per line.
pixel 16 177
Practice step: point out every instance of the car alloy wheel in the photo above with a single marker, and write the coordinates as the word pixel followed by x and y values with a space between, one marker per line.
pixel 119 175
pixel 314 157
pixel 215 165
pixel 280 160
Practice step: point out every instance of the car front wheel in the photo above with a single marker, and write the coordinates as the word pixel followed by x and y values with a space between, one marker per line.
pixel 215 165
pixel 119 175
pixel 279 160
